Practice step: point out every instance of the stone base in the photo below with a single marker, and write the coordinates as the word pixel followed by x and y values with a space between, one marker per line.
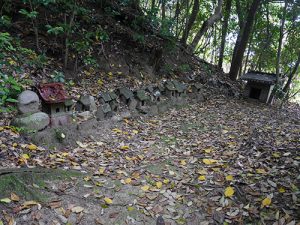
pixel 35 122
pixel 60 120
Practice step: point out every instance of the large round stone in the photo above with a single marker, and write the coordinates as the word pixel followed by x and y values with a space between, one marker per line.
pixel 28 102
pixel 36 121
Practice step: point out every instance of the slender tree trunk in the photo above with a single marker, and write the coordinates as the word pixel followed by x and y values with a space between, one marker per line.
pixel 280 40
pixel 238 57
pixel 224 32
pixel 66 59
pixel 35 28
pixel 190 22
pixel 163 9
pixel 207 24
pixel 152 5
pixel 176 18
pixel 292 75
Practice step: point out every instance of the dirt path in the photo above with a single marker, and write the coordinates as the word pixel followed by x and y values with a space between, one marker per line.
pixel 220 161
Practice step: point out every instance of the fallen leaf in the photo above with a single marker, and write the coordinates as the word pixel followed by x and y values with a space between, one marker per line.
pixel 202 178
pixel 266 202
pixel 159 184
pixel 108 200
pixel 229 178
pixel 145 187
pixel 229 191
pixel 14 197
pixel 128 180
pixel 77 209
pixel 5 200
pixel 32 147
pixel 209 161
pixel 281 190
pixel 182 162
pixel 101 170
pixel 124 147
pixel 166 181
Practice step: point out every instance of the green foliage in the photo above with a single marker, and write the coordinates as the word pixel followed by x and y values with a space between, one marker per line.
pixel 167 68
pixel 58 77
pixel 9 90
pixel 54 30
pixel 139 38
pixel 5 21
pixel 5 42
pixel 184 68
pixel 101 35
pixel 30 15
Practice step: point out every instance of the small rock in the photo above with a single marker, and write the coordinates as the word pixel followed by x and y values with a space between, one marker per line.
pixel 28 102
pixel 88 103
pixel 37 121
pixel 132 104
pixel 85 115
pixel 62 219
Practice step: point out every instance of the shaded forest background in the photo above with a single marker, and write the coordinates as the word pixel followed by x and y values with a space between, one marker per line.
pixel 67 41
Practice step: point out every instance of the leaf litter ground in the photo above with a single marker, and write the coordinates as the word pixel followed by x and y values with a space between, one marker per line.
pixel 219 162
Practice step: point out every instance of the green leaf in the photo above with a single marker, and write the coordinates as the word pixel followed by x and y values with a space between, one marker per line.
pixel 5 200
pixel 12 100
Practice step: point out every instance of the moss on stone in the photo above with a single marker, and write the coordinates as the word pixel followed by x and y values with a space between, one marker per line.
pixel 29 183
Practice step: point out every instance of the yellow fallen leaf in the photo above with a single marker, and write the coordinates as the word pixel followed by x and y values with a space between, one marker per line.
pixel 124 147
pixel 128 158
pixel 202 172
pixel 32 147
pixel 15 145
pixel 202 178
pixel 281 190
pixel 266 202
pixel 108 200
pixel 183 162
pixel 159 184
pixel 65 154
pixel 209 161
pixel 166 181
pixel 1 128
pixel 5 200
pixel 261 171
pixel 130 208
pixel 135 131
pixel 229 178
pixel 25 156
pixel 101 170
pixel 229 191
pixel 28 204
pixel 128 180
pixel 208 150
pixel 14 197
pixel 116 130
pixel 100 82
pixel 276 155
pixel 145 187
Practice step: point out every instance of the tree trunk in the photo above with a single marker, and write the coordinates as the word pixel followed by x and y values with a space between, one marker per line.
pixel 292 75
pixel 190 22
pixel 176 18
pixel 153 5
pixel 238 56
pixel 207 24
pixel 224 32
pixel 280 40
pixel 163 9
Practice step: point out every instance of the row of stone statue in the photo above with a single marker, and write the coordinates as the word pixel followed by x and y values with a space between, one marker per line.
pixel 49 104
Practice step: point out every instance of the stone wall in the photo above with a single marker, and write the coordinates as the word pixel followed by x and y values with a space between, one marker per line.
pixel 116 104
